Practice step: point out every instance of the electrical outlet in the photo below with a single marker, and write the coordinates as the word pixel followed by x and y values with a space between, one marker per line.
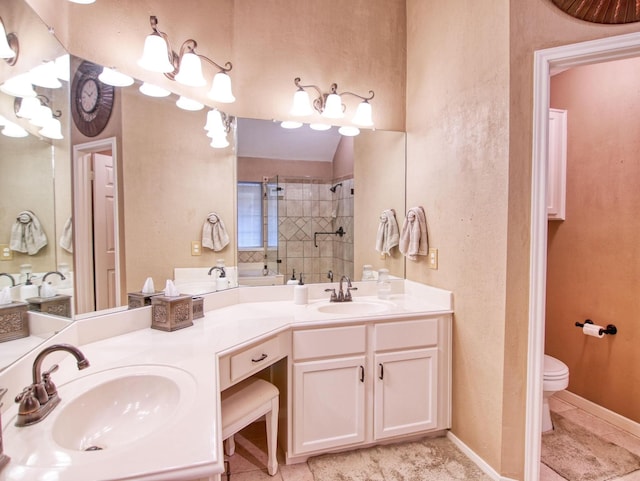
pixel 196 248
pixel 432 258
pixel 6 254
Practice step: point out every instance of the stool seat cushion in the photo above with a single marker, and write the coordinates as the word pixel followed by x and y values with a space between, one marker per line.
pixel 245 397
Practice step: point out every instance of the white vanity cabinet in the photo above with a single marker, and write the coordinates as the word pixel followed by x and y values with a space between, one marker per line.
pixel 358 384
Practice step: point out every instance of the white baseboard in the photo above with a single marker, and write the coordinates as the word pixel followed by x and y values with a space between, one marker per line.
pixel 605 414
pixel 481 463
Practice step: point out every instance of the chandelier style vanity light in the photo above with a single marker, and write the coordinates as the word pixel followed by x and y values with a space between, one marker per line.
pixel 38 112
pixel 185 67
pixel 330 106
pixel 218 126
pixel 9 45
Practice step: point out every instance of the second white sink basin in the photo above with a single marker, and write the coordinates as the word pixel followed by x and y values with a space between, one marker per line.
pixel 120 406
pixel 355 307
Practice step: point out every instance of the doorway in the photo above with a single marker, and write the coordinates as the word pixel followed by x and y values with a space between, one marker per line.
pixel 612 48
pixel 95 211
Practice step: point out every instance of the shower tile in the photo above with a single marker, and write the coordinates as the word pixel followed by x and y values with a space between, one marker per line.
pixel 295 249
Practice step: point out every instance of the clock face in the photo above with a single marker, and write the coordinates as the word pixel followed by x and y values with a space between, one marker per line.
pixel 92 101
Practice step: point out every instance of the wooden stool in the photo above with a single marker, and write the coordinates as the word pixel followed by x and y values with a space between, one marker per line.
pixel 245 403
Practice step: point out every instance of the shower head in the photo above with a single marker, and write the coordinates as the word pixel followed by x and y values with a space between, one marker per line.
pixel 334 187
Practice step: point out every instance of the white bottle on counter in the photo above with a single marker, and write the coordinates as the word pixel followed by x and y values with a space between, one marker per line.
pixel 384 284
pixel 28 290
pixel 293 280
pixel 300 293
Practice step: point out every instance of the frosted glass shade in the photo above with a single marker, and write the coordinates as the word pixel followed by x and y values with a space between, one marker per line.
pixel 28 107
pixel 187 104
pixel 153 90
pixel 221 89
pixel 52 129
pixel 319 127
pixel 14 130
pixel 63 68
pixel 42 115
pixel 301 106
pixel 44 75
pixel 214 122
pixel 363 115
pixel 290 124
pixel 83 2
pixel 219 141
pixel 333 107
pixel 5 49
pixel 349 131
pixel 19 86
pixel 155 55
pixel 110 76
pixel 190 71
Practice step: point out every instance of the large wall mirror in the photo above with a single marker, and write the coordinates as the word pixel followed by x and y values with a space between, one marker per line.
pixel 168 179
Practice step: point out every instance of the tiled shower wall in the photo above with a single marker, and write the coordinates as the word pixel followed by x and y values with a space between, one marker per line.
pixel 307 206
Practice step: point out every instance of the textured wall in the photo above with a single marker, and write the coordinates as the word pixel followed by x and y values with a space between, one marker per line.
pixel 594 255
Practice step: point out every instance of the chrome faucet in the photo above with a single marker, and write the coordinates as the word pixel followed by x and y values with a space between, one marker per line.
pixel 217 268
pixel 13 281
pixel 39 399
pixel 342 296
pixel 44 278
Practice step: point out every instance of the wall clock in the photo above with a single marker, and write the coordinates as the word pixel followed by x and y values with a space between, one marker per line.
pixel 91 100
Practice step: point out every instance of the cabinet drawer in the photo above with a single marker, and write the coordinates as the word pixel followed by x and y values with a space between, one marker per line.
pixel 329 342
pixel 255 358
pixel 406 334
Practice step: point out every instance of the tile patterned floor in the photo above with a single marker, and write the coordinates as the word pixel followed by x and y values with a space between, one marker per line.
pixel 249 462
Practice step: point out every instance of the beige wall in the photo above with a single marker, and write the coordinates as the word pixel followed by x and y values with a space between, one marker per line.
pixel 593 270
pixel 252 169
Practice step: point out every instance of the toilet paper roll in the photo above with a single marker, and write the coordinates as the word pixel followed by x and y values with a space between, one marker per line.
pixel 592 330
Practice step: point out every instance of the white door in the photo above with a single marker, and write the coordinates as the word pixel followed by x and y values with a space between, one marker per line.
pixel 329 404
pixel 104 244
pixel 406 385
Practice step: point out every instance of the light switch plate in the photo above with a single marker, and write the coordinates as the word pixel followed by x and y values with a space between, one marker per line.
pixel 6 254
pixel 196 248
pixel 432 258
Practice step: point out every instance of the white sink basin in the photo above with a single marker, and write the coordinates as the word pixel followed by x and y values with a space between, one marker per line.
pixel 354 308
pixel 120 406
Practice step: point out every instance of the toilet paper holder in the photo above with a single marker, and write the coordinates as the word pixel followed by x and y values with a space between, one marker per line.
pixel 611 329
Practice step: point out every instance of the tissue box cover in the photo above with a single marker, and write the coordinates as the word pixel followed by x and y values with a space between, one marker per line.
pixel 140 299
pixel 198 307
pixel 14 322
pixel 58 305
pixel 171 313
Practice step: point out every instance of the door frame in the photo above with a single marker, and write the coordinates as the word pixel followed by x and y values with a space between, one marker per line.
pixel 545 62
pixel 82 220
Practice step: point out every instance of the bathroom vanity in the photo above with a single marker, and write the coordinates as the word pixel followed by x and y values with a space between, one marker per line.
pixel 385 364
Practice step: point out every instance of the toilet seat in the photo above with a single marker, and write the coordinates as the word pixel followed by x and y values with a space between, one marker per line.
pixel 554 369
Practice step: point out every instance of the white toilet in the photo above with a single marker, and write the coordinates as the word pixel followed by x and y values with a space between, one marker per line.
pixel 556 378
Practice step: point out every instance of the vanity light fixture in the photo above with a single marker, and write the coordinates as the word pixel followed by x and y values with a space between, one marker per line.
pixel 19 86
pixel 63 67
pixel 52 129
pixel 153 90
pixel 9 45
pixel 111 76
pixel 11 129
pixel 83 2
pixel 44 75
pixel 185 67
pixel 218 126
pixel 329 105
pixel 187 104
pixel 290 124
pixel 320 127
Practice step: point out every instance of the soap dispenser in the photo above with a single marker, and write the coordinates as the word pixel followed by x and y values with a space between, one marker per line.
pixel 300 293
pixel 28 289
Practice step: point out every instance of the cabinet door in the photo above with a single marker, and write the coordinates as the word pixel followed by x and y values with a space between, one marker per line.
pixel 405 392
pixel 557 166
pixel 328 404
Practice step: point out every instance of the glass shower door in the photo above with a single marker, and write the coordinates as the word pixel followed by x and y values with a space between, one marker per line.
pixel 272 194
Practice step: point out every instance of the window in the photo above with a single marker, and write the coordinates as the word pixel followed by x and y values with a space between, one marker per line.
pixel 250 215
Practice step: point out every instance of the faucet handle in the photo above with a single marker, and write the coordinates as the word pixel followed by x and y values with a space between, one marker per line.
pixel 49 386
pixel 347 296
pixel 28 401
pixel 334 297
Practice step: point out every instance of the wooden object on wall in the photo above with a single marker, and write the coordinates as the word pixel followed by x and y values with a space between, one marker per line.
pixel 601 11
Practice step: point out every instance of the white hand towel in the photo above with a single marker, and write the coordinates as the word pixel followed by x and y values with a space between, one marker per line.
pixel 214 233
pixel 148 287
pixel 27 235
pixel 170 290
pixel 413 238
pixel 5 296
pixel 66 239
pixel 388 235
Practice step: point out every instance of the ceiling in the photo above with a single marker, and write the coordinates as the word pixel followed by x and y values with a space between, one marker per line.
pixel 266 139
